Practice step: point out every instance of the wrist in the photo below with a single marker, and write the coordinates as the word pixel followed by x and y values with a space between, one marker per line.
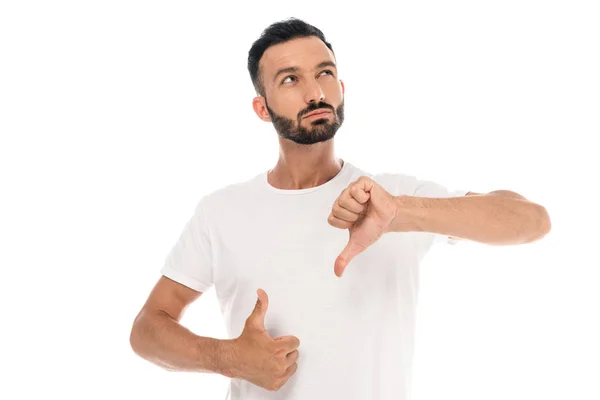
pixel 226 360
pixel 216 356
pixel 409 214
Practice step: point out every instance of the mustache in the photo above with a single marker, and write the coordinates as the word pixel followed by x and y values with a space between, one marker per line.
pixel 315 107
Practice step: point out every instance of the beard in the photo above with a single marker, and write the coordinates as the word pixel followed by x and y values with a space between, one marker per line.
pixel 320 130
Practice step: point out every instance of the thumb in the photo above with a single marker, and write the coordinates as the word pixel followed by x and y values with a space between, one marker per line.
pixel 257 318
pixel 350 251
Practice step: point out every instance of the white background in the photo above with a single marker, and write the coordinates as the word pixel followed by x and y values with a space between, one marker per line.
pixel 117 116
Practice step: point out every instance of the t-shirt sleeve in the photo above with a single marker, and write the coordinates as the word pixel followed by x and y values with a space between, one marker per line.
pixel 189 261
pixel 424 188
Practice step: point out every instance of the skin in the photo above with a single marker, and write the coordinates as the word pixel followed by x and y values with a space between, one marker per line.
pixel 368 211
pixel 288 99
pixel 306 159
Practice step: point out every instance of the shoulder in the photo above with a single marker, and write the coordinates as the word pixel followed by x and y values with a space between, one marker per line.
pixel 402 184
pixel 393 182
pixel 397 183
pixel 228 197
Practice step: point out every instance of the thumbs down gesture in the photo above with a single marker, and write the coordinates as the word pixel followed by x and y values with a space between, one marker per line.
pixel 367 211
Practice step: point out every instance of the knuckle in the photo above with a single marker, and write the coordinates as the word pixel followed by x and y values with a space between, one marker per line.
pixel 276 384
pixel 337 205
pixel 281 367
pixel 277 364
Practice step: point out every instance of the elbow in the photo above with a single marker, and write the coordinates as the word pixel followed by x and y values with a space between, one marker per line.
pixel 140 342
pixel 133 341
pixel 541 225
pixel 544 221
pixel 134 337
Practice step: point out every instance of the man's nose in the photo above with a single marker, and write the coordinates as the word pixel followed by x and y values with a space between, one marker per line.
pixel 314 93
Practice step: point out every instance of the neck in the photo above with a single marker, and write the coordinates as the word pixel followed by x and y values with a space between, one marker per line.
pixel 304 166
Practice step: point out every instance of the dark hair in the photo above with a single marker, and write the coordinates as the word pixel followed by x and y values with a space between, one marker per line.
pixel 276 33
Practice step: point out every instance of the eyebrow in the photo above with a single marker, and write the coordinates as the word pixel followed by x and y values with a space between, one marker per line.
pixel 294 69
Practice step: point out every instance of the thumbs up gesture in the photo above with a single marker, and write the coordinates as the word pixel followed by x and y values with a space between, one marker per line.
pixel 367 211
pixel 260 359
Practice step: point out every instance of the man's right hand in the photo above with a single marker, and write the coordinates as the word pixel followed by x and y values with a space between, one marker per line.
pixel 259 358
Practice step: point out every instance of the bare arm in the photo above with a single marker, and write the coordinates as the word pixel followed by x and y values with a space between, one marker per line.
pixel 498 218
pixel 158 337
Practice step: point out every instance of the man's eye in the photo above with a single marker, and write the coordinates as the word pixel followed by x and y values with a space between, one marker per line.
pixel 293 77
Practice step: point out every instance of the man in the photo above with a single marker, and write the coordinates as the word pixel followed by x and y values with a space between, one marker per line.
pixel 336 249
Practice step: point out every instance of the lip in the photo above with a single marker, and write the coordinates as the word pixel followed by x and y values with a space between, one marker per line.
pixel 318 113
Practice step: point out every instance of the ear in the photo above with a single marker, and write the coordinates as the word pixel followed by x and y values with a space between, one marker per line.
pixel 343 88
pixel 260 108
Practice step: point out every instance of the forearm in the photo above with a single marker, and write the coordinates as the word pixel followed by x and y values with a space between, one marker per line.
pixel 496 219
pixel 162 340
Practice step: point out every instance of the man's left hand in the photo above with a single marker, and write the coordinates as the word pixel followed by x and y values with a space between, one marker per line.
pixel 367 211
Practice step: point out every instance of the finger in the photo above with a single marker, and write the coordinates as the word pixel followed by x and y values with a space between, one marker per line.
pixel 292 357
pixel 339 223
pixel 340 266
pixel 351 250
pixel 360 190
pixel 290 370
pixel 344 214
pixel 288 342
pixel 257 318
pixel 350 203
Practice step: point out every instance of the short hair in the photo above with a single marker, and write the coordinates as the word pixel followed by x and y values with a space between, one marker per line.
pixel 278 32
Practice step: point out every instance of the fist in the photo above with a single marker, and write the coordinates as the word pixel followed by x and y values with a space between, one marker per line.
pixel 260 359
pixel 367 211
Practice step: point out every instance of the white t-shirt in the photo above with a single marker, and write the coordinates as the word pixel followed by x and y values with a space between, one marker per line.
pixel 356 332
